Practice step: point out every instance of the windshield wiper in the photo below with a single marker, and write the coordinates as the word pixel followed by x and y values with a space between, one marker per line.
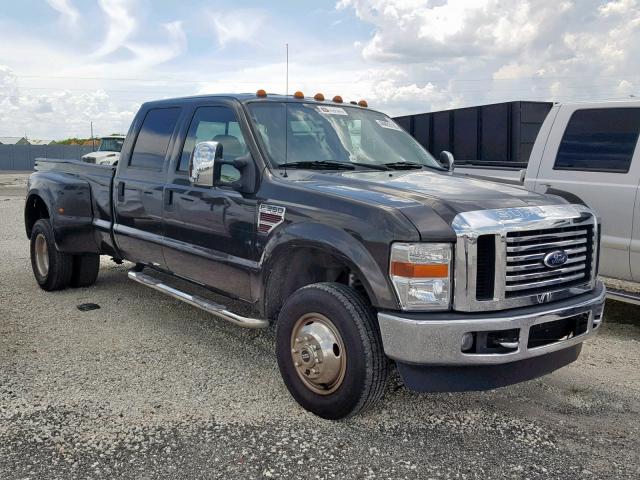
pixel 374 166
pixel 319 165
pixel 403 165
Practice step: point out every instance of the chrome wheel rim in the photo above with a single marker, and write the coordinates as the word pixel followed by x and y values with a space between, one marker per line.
pixel 318 353
pixel 42 255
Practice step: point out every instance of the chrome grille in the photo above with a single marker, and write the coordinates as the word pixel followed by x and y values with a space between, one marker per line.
pixel 509 245
pixel 525 271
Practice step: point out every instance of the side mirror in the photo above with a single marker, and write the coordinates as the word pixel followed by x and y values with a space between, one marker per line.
pixel 202 163
pixel 446 159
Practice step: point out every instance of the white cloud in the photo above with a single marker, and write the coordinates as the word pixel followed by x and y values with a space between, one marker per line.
pixel 121 23
pixel 69 14
pixel 41 116
pixel 619 7
pixel 66 88
pixel 483 51
pixel 240 25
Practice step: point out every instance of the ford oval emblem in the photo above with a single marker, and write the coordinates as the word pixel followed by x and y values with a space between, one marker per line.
pixel 555 259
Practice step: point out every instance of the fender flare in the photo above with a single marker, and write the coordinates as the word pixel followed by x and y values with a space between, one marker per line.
pixel 336 242
pixel 70 206
pixel 568 196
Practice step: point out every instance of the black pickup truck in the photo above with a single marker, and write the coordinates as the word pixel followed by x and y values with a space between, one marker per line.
pixel 334 224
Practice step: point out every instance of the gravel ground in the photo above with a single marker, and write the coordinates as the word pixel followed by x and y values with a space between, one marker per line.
pixel 147 387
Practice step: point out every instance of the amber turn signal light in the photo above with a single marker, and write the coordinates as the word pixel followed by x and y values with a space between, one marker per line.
pixel 261 93
pixel 298 94
pixel 412 270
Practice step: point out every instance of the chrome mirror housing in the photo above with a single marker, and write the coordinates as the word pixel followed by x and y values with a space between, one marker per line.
pixel 446 159
pixel 202 163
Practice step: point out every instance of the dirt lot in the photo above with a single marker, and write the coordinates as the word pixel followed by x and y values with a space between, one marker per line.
pixel 146 387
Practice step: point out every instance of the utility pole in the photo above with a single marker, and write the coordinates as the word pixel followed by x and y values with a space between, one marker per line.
pixel 93 142
pixel 286 91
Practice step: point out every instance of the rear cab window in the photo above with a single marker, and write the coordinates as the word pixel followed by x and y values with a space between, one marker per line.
pixel 599 140
pixel 153 139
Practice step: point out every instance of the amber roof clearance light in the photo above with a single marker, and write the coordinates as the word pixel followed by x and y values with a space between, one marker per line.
pixel 318 97
pixel 261 93
pixel 337 99
pixel 363 103
pixel 298 95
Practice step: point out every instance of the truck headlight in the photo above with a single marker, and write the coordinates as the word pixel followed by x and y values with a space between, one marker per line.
pixel 421 275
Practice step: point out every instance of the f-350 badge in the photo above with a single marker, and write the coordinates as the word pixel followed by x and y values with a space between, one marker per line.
pixel 269 217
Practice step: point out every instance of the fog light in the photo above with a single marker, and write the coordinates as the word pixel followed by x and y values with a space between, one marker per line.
pixel 467 342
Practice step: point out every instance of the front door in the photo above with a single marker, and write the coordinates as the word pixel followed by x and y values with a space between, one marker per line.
pixel 210 231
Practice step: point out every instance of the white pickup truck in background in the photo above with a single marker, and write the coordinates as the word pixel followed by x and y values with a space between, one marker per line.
pixel 590 151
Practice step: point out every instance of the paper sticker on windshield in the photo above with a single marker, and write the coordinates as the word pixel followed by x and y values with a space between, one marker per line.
pixel 332 110
pixel 388 124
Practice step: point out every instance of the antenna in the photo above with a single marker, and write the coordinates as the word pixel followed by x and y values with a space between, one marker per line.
pixel 286 92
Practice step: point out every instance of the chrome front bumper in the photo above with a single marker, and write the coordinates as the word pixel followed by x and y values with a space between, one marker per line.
pixel 434 339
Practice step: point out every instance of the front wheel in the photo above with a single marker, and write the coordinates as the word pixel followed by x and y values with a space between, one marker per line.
pixel 329 351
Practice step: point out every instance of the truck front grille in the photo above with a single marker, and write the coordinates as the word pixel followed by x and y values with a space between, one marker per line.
pixel 515 257
pixel 526 272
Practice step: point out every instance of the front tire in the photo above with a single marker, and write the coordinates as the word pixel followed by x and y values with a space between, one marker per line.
pixel 329 351
pixel 51 267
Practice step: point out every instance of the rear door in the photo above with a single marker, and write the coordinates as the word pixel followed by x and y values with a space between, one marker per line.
pixel 210 231
pixel 591 153
pixel 139 185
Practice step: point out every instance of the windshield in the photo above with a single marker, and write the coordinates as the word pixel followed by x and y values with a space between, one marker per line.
pixel 305 132
pixel 111 144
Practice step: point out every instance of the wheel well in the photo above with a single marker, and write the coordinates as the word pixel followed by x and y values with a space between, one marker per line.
pixel 305 266
pixel 34 211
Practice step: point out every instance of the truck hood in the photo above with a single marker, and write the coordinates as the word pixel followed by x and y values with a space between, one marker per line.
pixel 104 156
pixel 420 194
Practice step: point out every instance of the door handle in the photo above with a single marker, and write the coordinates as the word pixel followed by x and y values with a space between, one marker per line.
pixel 121 191
pixel 168 197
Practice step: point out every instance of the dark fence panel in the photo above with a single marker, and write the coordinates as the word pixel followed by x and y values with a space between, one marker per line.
pixel 503 133
pixel 22 157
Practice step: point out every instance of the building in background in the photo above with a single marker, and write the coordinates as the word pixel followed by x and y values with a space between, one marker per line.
pixel 13 141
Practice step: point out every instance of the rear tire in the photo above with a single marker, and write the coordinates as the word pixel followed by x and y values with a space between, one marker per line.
pixel 51 267
pixel 329 351
pixel 85 270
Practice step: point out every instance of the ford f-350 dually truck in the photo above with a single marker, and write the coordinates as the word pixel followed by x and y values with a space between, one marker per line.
pixel 336 225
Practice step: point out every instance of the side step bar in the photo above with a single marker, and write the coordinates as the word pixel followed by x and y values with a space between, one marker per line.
pixel 623 296
pixel 200 302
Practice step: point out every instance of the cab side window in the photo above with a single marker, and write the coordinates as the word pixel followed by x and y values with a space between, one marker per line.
pixel 218 124
pixel 153 140
pixel 599 140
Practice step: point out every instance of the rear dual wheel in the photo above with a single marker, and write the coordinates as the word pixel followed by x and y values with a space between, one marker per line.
pixel 55 270
pixel 329 351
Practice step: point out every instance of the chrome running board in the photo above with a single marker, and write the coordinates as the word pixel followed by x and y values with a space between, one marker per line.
pixel 623 296
pixel 200 302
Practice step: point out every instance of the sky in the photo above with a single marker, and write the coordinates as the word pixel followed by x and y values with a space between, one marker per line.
pixel 67 63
